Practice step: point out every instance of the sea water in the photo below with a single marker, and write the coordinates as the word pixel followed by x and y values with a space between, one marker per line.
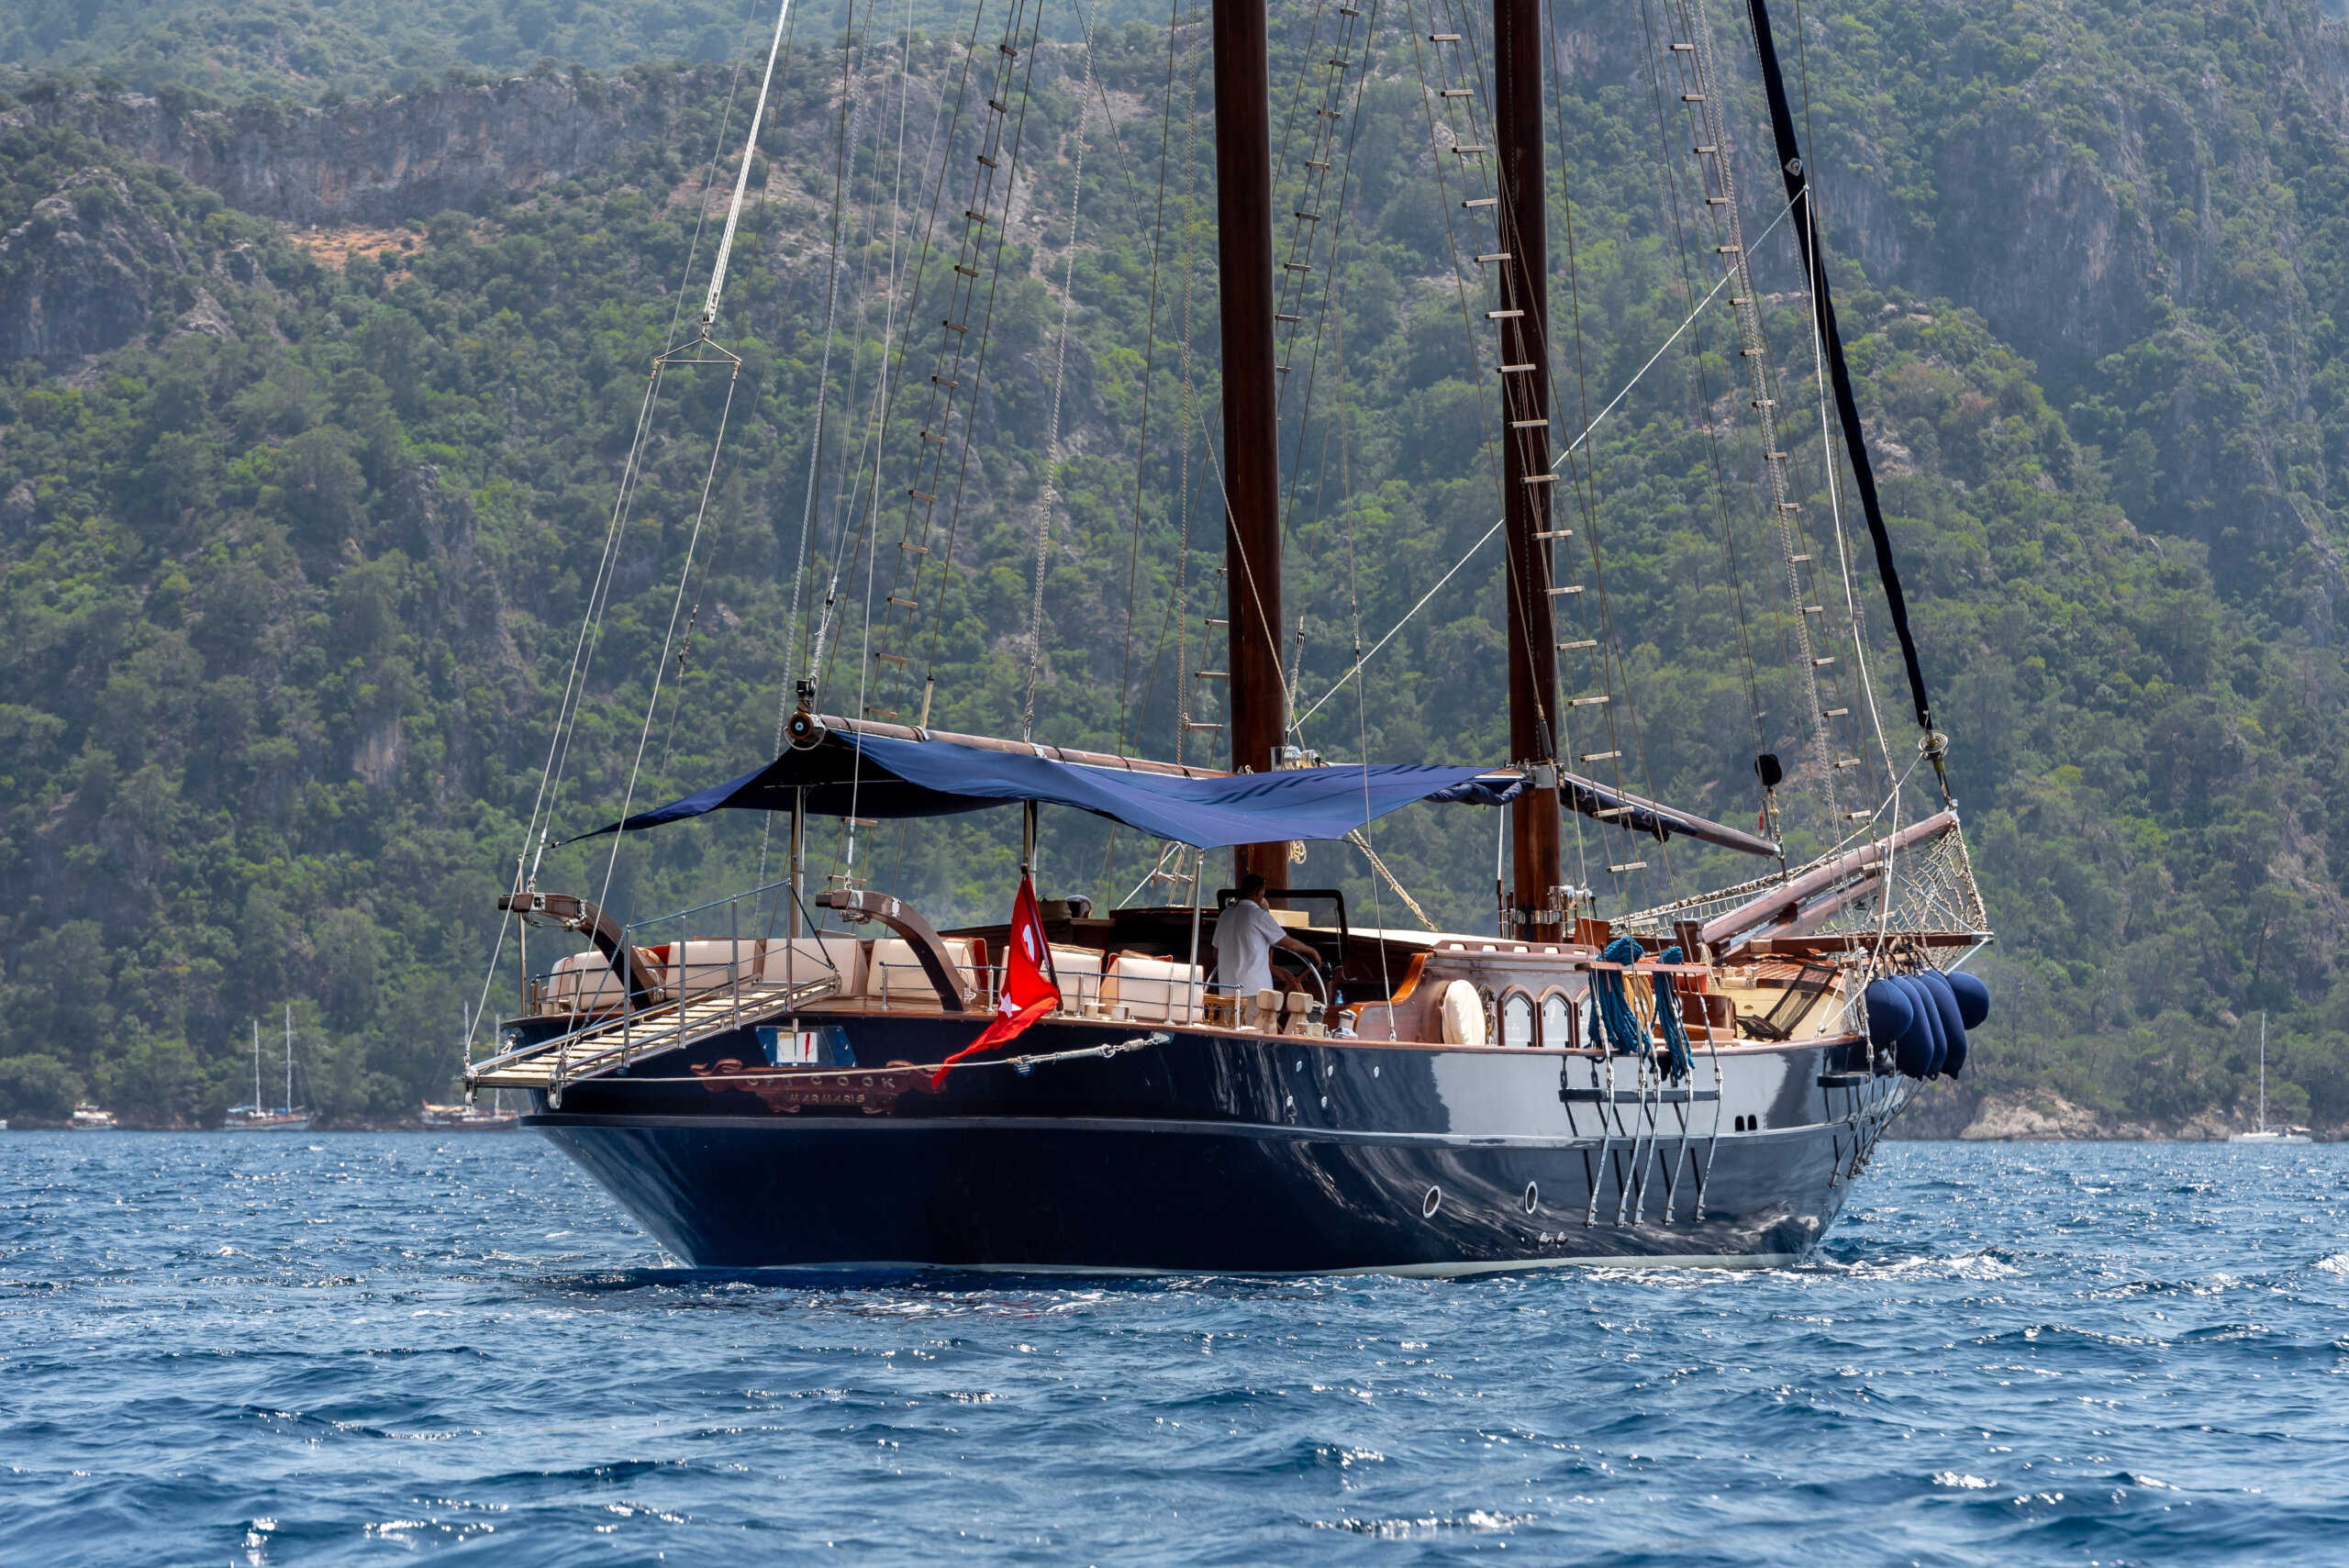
pixel 270 1349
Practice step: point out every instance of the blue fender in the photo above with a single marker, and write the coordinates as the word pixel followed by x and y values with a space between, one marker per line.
pixel 1889 1012
pixel 1913 1051
pixel 1973 998
pixel 1952 1021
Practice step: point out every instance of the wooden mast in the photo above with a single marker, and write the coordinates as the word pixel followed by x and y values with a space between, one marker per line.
pixel 1526 474
pixel 1251 548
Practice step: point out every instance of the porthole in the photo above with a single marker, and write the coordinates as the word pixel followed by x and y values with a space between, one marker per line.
pixel 1517 1019
pixel 1433 1201
pixel 1557 1021
pixel 1533 1196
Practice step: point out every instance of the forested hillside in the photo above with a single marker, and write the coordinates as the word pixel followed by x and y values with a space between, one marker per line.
pixel 300 499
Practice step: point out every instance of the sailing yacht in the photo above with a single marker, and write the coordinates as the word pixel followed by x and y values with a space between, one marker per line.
pixel 257 1115
pixel 2263 1133
pixel 780 1078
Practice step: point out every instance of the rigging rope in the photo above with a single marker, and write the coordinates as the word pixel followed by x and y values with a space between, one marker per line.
pixel 1571 447
pixel 1060 387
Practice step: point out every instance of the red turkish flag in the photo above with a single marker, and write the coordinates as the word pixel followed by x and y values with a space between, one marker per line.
pixel 1031 988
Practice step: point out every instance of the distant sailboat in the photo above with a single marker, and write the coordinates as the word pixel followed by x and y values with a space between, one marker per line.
pixel 2267 1134
pixel 496 1117
pixel 258 1117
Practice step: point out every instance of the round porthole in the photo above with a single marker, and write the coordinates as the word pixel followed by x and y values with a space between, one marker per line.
pixel 1533 1196
pixel 1433 1201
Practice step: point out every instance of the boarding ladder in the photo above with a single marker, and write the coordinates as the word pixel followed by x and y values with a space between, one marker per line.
pixel 612 1041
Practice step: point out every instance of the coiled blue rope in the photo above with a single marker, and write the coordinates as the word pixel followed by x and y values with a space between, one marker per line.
pixel 1668 1010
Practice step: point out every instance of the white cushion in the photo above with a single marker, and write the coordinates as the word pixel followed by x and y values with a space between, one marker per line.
pixel 1080 972
pixel 894 971
pixel 1152 990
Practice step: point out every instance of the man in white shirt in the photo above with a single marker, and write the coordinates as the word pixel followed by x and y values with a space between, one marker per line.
pixel 1245 936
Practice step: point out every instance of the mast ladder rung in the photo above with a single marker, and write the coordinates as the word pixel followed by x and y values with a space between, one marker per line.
pixel 1684 48
pixel 1705 151
pixel 896 659
pixel 1821 662
pixel 1307 216
pixel 1836 713
pixel 1296 266
pixel 975 216
pixel 1586 702
pixel 1285 315
pixel 1210 675
pixel 921 495
pixel 1211 620
pixel 913 548
pixel 928 437
pixel 1858 815
pixel 1469 148
pixel 1789 506
pixel 1765 403
pixel 1799 558
pixel 1729 250
pixel 1518 370
pixel 1849 762
pixel 1774 457
pixel 1528 424
pixel 1600 756
pixel 1317 163
pixel 999 106
pixel 1541 479
pixel 1565 588
pixel 1577 644
pixel 1628 865
pixel 1814 609
pixel 1692 97
pixel 968 273
pixel 1555 533
pixel 1443 38
pixel 1482 201
pixel 1716 201
pixel 1007 49
pixel 1197 724
pixel 1348 11
pixel 988 162
pixel 954 326
pixel 1453 92
pixel 903 604
pixel 1610 812
pixel 1493 256
pixel 1505 316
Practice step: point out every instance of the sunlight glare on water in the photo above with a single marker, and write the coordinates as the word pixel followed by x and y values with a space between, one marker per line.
pixel 349 1347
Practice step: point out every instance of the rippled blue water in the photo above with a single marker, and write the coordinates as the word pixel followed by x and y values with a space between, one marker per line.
pixel 272 1349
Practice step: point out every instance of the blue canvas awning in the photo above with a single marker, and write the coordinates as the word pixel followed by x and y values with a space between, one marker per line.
pixel 848 774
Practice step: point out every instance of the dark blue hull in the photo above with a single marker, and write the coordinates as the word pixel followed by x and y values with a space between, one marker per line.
pixel 1215 1152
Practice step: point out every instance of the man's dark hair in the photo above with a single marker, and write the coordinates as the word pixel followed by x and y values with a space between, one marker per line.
pixel 1251 884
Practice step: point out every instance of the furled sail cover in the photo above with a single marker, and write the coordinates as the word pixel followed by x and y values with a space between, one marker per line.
pixel 937 778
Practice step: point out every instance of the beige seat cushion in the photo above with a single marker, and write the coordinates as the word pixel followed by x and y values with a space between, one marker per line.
pixel 1152 990
pixel 892 971
pixel 801 959
pixel 1080 973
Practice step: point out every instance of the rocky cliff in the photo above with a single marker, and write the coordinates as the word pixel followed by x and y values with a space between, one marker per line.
pixel 403 157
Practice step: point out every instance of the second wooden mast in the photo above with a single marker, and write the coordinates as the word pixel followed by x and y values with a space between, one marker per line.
pixel 1258 709
pixel 1534 907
